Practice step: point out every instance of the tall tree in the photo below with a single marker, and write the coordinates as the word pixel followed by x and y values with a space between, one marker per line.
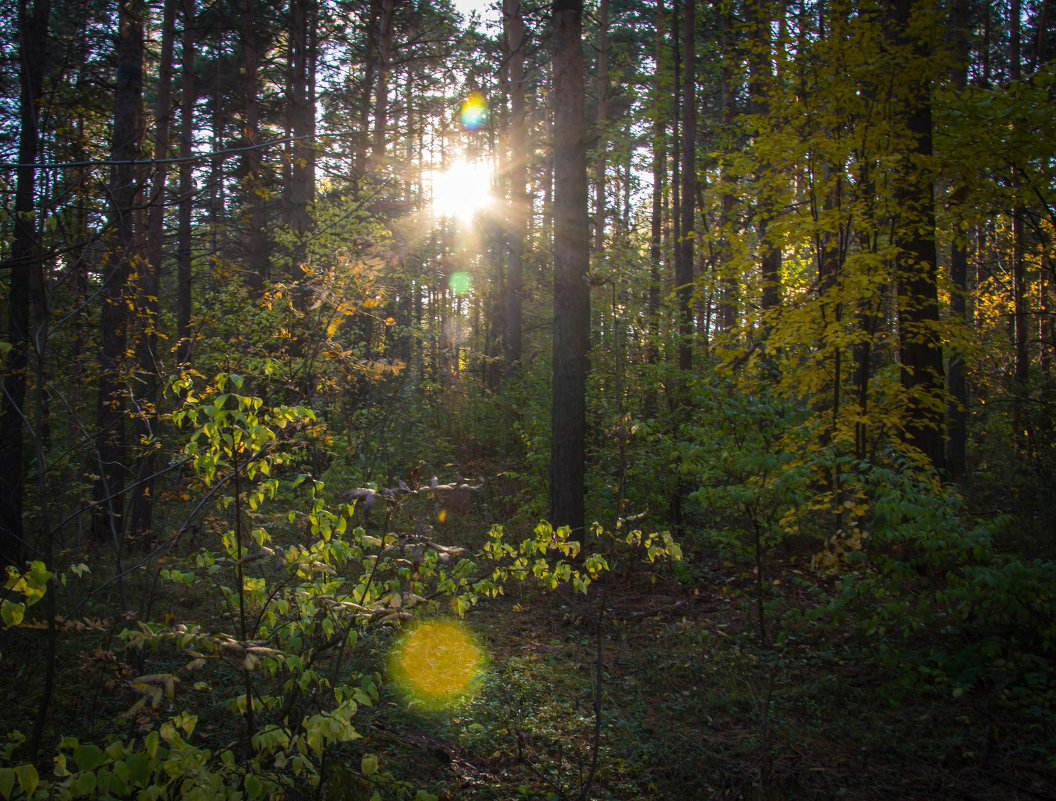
pixel 123 253
pixel 26 293
pixel 148 288
pixel 920 349
pixel 684 254
pixel 513 23
pixel 571 326
pixel 255 255
pixel 186 187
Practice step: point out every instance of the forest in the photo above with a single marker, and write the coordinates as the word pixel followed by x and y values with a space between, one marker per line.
pixel 603 399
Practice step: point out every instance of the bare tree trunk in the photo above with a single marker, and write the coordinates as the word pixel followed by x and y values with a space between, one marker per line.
pixel 957 413
pixel 381 94
pixel 920 348
pixel 513 19
pixel 255 267
pixel 571 264
pixel 603 114
pixel 656 238
pixel 124 252
pixel 302 112
pixel 26 289
pixel 186 201
pixel 146 413
pixel 684 262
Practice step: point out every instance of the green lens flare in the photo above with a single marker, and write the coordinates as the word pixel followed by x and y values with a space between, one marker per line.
pixel 459 283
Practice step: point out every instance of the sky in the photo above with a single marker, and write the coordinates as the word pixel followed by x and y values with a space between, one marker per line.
pixel 487 13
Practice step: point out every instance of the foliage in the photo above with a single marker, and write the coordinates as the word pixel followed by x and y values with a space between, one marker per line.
pixel 303 600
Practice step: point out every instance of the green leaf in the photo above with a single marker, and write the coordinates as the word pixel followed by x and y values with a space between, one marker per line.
pixel 7 781
pixel 369 764
pixel 254 788
pixel 28 778
pixel 84 784
pixel 12 613
pixel 88 757
pixel 139 768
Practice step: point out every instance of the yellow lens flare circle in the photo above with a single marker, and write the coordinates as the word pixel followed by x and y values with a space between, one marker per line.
pixel 437 664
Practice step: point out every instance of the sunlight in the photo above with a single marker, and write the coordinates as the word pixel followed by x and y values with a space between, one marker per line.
pixel 462 190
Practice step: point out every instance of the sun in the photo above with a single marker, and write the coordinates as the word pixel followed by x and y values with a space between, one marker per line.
pixel 462 190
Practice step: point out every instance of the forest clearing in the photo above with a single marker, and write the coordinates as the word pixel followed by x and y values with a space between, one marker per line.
pixel 630 399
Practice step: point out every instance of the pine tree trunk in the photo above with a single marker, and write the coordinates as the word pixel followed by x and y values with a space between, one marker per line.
pixel 255 266
pixel 518 209
pixel 186 189
pixel 26 288
pixel 684 263
pixel 146 414
pixel 124 252
pixel 571 264
pixel 917 268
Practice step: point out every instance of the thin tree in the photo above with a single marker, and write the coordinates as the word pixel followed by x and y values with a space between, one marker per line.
pixel 513 23
pixel 186 187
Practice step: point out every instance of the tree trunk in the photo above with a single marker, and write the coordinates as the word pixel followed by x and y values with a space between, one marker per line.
pixel 123 253
pixel 255 266
pixel 957 413
pixel 186 200
pixel 603 113
pixel 146 413
pixel 684 262
pixel 26 290
pixel 571 264
pixel 918 296
pixel 381 93
pixel 302 111
pixel 656 233
pixel 760 88
pixel 513 20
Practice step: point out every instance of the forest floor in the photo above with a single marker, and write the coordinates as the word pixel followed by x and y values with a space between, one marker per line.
pixel 694 708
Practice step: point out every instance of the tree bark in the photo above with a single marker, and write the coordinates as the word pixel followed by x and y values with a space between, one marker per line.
pixel 571 265
pixel 186 188
pixel 124 251
pixel 513 20
pixel 918 295
pixel 26 290
pixel 381 93
pixel 145 411
pixel 255 266
pixel 302 111
pixel 684 262
pixel 957 413
pixel 603 114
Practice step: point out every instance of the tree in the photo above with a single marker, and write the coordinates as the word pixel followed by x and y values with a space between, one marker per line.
pixel 917 262
pixel 571 326
pixel 513 22
pixel 124 252
pixel 26 299
pixel 687 210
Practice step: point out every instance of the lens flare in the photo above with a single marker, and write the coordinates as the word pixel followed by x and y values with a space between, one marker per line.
pixel 437 664
pixel 474 111
pixel 460 282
